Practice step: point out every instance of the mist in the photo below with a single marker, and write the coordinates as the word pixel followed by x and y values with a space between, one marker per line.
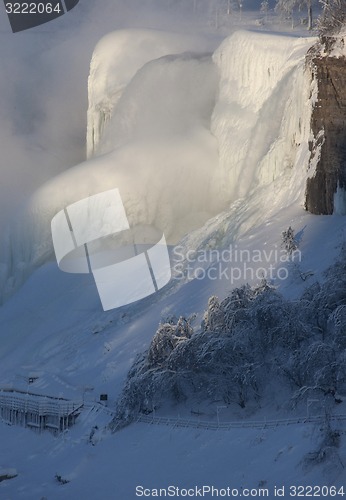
pixel 43 89
pixel 43 119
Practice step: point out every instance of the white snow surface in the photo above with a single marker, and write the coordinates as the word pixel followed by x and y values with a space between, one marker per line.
pixel 231 171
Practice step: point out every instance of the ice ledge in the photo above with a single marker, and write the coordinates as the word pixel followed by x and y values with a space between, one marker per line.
pixel 115 61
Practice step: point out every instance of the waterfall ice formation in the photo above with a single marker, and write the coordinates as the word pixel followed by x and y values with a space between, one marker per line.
pixel 182 133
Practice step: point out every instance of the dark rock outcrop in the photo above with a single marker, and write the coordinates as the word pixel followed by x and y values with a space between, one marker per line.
pixel 328 124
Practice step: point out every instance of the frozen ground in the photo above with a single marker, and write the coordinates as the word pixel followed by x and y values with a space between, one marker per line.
pixel 155 457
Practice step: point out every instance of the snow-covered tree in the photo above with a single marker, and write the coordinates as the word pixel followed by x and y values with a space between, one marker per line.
pixel 265 8
pixel 288 241
pixel 332 20
pixel 286 8
pixel 214 317
pixel 246 341
pixel 166 339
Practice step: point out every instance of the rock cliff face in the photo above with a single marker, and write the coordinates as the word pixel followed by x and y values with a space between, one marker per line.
pixel 326 191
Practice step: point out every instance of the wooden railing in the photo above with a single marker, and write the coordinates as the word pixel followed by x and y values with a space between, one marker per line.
pixel 255 424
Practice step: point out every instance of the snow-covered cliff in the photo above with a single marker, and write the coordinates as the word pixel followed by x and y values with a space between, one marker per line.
pixel 186 136
pixel 262 117
pixel 326 189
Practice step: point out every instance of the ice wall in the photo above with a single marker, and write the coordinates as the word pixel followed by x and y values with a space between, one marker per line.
pixel 115 61
pixel 186 137
pixel 262 117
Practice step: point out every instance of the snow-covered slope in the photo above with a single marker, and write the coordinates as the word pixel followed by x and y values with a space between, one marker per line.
pixel 191 140
pixel 157 457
